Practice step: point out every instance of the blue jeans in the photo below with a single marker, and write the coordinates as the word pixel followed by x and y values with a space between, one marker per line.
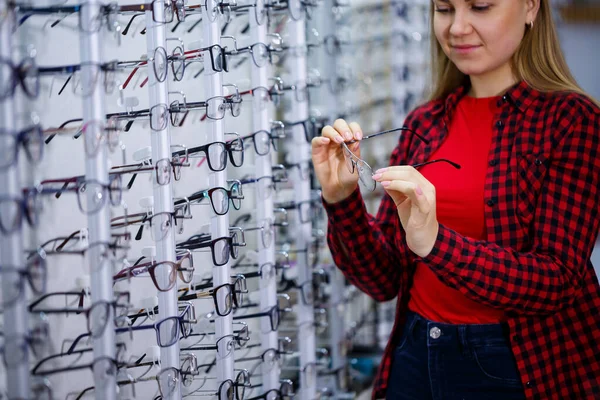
pixel 437 361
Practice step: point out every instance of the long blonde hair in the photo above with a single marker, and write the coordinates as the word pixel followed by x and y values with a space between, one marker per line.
pixel 539 61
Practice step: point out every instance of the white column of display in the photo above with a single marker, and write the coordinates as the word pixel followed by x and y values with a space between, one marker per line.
pixel 266 256
pixel 213 86
pixel 327 105
pixel 96 170
pixel 298 111
pixel 11 244
pixel 162 194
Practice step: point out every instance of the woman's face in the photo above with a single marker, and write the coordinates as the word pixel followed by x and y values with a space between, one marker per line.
pixel 480 36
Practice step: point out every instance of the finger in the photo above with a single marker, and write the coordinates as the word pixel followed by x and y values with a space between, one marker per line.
pixel 410 190
pixel 401 172
pixel 343 129
pixel 356 131
pixel 319 144
pixel 329 132
pixel 320 149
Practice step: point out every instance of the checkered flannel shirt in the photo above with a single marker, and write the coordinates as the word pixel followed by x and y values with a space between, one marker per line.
pixel 542 219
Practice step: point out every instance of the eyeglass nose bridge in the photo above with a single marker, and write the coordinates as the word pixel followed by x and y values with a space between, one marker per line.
pixel 237 91
pixel 182 94
pixel 277 39
pixel 232 38
pixel 180 9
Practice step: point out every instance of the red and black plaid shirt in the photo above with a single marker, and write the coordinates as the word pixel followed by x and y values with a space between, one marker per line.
pixel 542 219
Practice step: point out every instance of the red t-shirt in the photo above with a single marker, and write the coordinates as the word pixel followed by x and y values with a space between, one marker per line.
pixel 460 206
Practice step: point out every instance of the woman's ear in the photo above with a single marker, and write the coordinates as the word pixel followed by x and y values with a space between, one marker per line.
pixel 533 6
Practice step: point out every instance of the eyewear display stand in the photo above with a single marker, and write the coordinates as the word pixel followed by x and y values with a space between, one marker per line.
pixel 96 169
pixel 338 344
pixel 162 194
pixel 125 272
pixel 297 66
pixel 219 227
pixel 328 103
pixel 11 246
pixel 266 256
pixel 328 66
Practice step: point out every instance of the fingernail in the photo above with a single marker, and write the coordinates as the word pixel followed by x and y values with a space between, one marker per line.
pixel 418 190
pixel 338 139
pixel 386 183
pixel 376 176
pixel 359 135
pixel 347 136
pixel 380 170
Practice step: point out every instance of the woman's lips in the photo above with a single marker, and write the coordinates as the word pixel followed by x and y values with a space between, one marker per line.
pixel 464 49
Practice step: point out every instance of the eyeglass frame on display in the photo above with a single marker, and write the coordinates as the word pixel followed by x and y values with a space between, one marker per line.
pixel 203 241
pixel 151 266
pixel 181 330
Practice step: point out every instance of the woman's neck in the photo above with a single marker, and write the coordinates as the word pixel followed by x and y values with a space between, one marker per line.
pixel 492 83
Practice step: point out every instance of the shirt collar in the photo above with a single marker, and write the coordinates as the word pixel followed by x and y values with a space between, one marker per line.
pixel 521 95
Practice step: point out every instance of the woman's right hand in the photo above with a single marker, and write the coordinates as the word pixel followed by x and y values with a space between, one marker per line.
pixel 337 183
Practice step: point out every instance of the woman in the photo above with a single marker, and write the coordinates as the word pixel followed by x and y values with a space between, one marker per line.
pixel 497 296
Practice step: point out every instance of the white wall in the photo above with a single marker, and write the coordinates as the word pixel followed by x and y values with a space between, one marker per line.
pixel 582 51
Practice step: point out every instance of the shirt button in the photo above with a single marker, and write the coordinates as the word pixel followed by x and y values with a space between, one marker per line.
pixel 504 98
pixel 499 124
pixel 435 332
pixel 492 162
pixel 529 384
pixel 538 161
pixel 491 202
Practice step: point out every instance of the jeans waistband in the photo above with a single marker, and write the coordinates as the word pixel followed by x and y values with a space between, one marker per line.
pixel 470 334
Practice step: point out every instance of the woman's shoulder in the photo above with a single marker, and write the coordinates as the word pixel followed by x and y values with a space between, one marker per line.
pixel 567 104
pixel 566 112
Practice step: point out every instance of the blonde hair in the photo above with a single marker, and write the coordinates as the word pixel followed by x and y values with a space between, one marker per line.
pixel 539 61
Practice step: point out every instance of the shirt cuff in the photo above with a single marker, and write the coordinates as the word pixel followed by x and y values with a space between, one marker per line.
pixel 348 215
pixel 446 252
pixel 333 208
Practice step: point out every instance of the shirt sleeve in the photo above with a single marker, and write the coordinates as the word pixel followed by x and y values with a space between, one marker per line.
pixel 370 251
pixel 565 227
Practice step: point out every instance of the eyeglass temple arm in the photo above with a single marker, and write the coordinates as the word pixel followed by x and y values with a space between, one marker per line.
pixel 118 330
pixel 129 23
pixel 62 126
pixel 199 295
pixel 53 356
pixel 80 294
pixel 127 272
pixel 255 315
pixel 68 239
pixel 455 165
pixel 141 313
pixel 85 391
pixel 200 348
pixel 198 196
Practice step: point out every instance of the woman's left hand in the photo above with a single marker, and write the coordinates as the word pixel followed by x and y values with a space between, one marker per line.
pixel 414 197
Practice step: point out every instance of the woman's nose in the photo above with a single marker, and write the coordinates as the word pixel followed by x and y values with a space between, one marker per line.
pixel 460 24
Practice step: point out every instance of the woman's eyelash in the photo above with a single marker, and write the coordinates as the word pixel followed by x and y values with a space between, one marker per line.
pixel 475 8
